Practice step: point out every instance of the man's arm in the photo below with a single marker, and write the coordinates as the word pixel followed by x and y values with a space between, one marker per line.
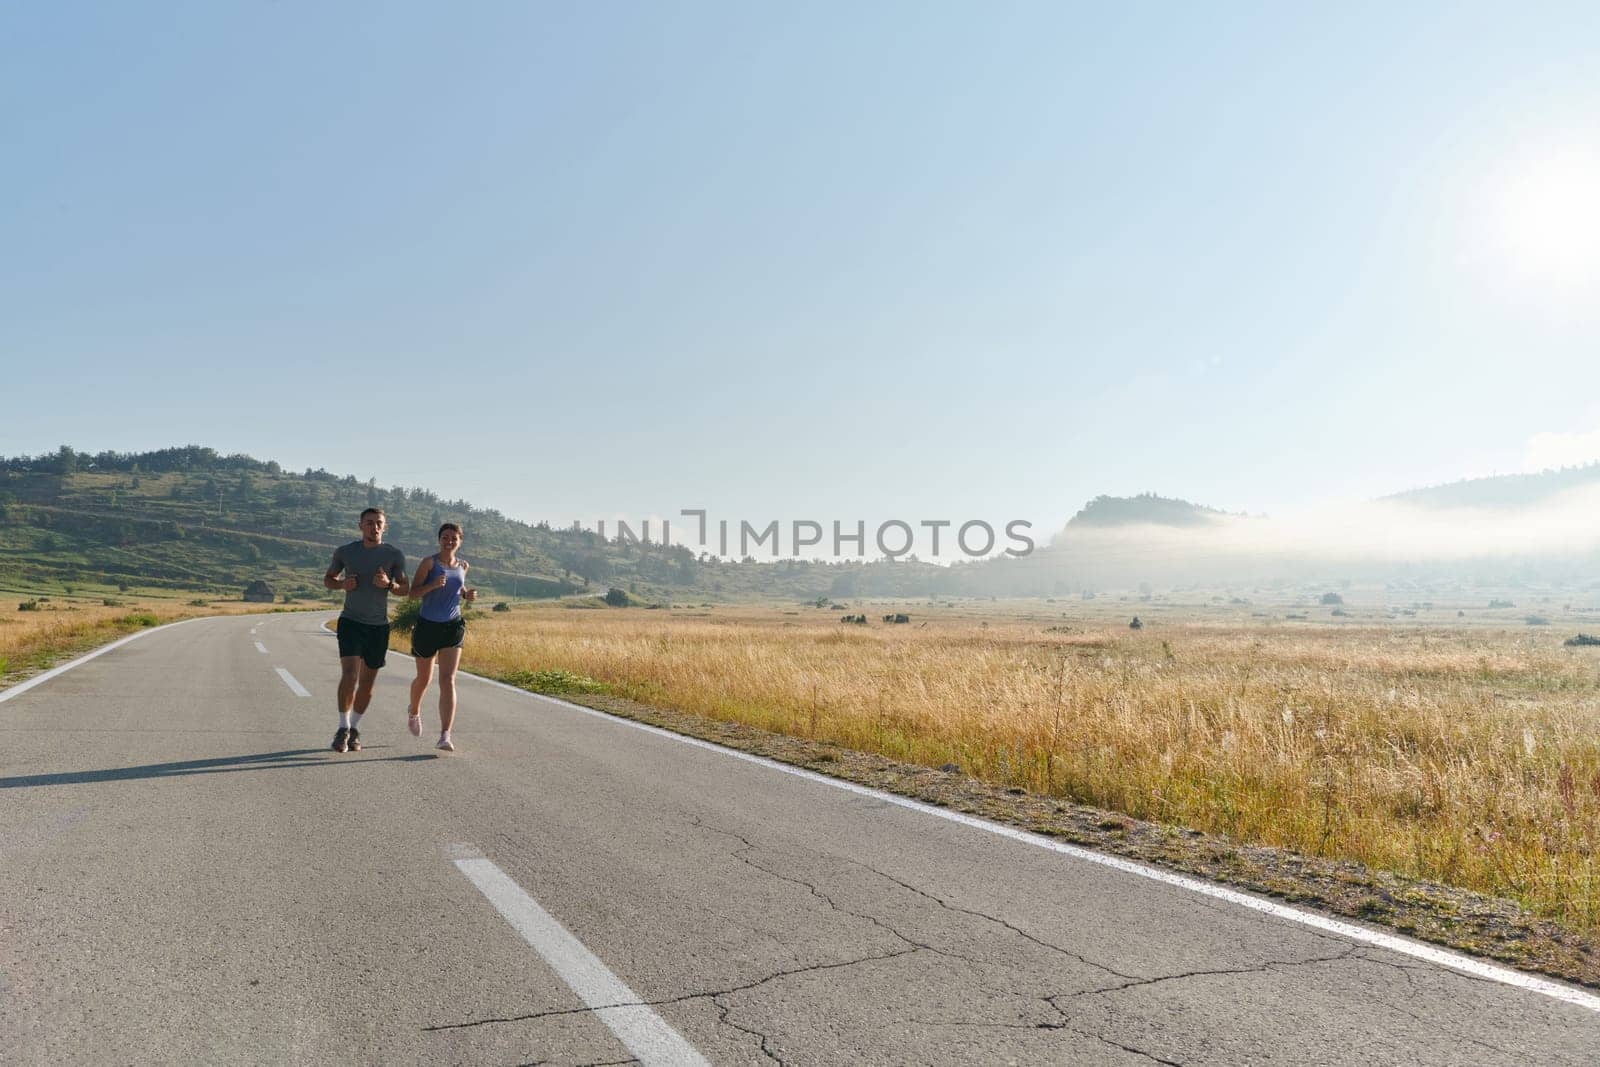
pixel 331 579
pixel 393 577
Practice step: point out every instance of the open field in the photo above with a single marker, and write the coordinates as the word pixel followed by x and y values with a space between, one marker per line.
pixel 1460 748
pixel 58 627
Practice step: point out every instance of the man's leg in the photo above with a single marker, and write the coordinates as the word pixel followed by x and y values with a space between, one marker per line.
pixel 349 670
pixel 364 682
pixel 349 675
pixel 364 679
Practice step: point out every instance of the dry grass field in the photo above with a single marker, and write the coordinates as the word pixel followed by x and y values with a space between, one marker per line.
pixel 1464 752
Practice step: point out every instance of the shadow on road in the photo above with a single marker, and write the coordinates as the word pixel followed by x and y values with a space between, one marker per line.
pixel 259 761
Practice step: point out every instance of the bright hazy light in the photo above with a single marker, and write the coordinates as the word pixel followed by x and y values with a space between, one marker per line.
pixel 1548 218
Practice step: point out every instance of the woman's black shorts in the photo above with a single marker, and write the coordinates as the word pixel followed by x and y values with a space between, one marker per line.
pixel 429 637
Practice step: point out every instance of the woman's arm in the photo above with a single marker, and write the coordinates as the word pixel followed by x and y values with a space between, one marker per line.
pixel 417 588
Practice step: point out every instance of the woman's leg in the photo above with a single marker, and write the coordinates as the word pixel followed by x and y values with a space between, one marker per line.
pixel 419 684
pixel 449 660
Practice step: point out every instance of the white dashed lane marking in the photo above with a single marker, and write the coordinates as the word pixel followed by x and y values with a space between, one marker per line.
pixel 289 680
pixel 646 1034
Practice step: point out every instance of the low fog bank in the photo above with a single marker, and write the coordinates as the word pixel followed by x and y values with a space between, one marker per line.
pixel 1556 540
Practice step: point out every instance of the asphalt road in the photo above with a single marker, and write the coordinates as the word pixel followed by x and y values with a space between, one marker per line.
pixel 188 874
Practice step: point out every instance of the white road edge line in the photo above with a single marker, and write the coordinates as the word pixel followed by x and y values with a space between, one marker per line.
pixel 1393 942
pixel 645 1033
pixel 289 680
pixel 261 648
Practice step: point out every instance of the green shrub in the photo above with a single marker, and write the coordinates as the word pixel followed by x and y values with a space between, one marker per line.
pixel 28 605
pixel 198 602
pixel 618 598
pixel 502 606
pixel 110 602
pixel 406 616
pixel 553 682
pixel 138 618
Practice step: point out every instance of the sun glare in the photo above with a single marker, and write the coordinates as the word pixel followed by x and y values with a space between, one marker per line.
pixel 1549 219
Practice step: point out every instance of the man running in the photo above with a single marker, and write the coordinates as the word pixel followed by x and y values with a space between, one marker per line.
pixel 368 571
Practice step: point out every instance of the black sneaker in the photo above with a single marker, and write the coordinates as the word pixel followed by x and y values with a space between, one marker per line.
pixel 341 740
pixel 354 740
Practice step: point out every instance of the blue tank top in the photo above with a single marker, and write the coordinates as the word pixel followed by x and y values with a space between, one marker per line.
pixel 444 604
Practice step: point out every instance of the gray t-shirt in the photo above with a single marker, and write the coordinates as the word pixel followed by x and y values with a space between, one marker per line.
pixel 366 602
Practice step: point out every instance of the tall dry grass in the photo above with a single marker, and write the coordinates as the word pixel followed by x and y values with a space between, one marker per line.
pixel 1467 756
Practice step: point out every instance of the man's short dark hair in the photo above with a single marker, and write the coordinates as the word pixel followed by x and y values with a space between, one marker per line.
pixel 450 526
pixel 375 511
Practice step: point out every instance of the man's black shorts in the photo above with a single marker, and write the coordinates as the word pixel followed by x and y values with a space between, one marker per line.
pixel 429 637
pixel 362 639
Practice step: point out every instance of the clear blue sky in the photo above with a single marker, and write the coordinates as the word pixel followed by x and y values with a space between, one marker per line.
pixel 916 260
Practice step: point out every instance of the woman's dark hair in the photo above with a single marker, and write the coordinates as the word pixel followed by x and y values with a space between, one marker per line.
pixel 449 526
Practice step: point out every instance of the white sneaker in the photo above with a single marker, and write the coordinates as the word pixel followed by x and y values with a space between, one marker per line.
pixel 414 724
pixel 444 743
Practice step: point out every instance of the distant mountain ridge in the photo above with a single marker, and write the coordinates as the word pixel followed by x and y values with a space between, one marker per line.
pixel 1501 491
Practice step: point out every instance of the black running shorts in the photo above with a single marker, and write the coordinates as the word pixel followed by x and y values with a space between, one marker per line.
pixel 429 637
pixel 362 639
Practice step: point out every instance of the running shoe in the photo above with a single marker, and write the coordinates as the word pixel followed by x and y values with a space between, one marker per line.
pixel 355 740
pixel 444 743
pixel 414 724
pixel 341 740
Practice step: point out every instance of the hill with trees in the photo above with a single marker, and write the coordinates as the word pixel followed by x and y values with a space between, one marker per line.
pixel 189 518
pixel 1145 508
pixel 1503 491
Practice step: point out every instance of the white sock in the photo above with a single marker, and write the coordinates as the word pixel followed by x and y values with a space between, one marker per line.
pixel 344 720
pixel 444 735
pixel 355 718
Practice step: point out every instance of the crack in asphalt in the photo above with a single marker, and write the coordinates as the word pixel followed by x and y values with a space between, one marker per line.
pixel 1151 1056
pixel 1367 953
pixel 750 847
pixel 711 994
pixel 724 1010
pixel 1259 968
pixel 1433 1024
pixel 996 920
pixel 1061 1026
pixel 742 855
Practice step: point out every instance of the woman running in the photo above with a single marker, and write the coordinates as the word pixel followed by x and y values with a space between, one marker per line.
pixel 442 584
